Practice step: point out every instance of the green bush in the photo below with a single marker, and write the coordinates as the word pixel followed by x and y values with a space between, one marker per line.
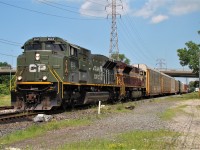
pixel 4 89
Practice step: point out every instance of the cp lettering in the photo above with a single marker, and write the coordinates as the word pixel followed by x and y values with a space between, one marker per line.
pixel 37 67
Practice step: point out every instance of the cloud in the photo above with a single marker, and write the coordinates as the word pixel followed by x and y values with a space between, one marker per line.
pixel 158 18
pixel 182 7
pixel 93 9
pixel 150 8
pixel 102 8
pixel 169 8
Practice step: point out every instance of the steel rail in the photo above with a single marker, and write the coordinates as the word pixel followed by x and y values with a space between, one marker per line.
pixel 15 115
pixel 6 107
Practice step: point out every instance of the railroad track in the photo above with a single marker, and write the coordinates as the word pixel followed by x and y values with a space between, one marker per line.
pixel 6 117
pixel 6 107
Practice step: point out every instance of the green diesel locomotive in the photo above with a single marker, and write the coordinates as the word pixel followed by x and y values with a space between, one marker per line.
pixel 52 72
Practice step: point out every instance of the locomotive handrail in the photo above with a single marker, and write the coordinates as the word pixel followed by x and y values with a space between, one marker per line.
pixel 14 77
pixel 57 75
pixel 56 79
pixel 60 80
pixel 11 82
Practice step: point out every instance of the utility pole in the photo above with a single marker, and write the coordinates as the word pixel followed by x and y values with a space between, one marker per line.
pixel 113 35
pixel 199 67
pixel 199 73
pixel 161 62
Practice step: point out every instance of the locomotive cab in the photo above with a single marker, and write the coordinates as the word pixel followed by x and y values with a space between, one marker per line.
pixel 40 69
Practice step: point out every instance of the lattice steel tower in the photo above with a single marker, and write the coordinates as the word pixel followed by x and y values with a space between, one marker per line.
pixel 161 62
pixel 113 35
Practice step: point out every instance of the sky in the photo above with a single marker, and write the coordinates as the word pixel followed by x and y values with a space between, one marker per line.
pixel 149 31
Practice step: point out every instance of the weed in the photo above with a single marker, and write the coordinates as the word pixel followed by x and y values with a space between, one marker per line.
pixel 172 112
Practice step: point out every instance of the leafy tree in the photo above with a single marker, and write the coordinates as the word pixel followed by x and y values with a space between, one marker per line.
pixel 189 56
pixel 193 85
pixel 4 89
pixel 4 80
pixel 122 58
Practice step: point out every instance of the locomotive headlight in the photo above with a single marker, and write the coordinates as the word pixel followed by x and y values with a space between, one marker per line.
pixel 37 56
pixel 19 78
pixel 44 78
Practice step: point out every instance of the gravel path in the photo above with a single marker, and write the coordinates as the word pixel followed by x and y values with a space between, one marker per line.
pixel 188 124
pixel 143 117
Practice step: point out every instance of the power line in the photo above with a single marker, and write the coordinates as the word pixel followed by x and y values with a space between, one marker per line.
pixel 7 55
pixel 132 45
pixel 135 38
pixel 59 4
pixel 95 2
pixel 66 6
pixel 132 39
pixel 66 9
pixel 8 43
pixel 47 14
pixel 139 38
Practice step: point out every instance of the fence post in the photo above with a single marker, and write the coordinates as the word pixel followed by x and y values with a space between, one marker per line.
pixel 99 108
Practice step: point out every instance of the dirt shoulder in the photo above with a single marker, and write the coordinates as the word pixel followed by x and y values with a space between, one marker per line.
pixel 143 117
pixel 187 122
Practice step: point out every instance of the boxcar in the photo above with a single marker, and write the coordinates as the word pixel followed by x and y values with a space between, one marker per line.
pixel 168 84
pixel 153 80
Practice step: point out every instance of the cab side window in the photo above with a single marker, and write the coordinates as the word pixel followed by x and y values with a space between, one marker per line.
pixel 73 51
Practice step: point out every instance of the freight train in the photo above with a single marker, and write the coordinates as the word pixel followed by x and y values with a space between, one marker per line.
pixel 52 72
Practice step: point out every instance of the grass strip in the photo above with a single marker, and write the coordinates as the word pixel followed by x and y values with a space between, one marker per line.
pixel 183 97
pixel 5 100
pixel 172 112
pixel 142 140
pixel 40 129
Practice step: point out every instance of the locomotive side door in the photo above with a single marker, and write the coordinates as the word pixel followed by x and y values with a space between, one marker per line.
pixel 73 64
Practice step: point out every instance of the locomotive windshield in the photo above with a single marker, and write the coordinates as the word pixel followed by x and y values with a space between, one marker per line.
pixel 45 46
pixel 55 47
pixel 35 46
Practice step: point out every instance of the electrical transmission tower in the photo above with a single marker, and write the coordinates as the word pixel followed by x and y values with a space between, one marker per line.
pixel 113 35
pixel 161 62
